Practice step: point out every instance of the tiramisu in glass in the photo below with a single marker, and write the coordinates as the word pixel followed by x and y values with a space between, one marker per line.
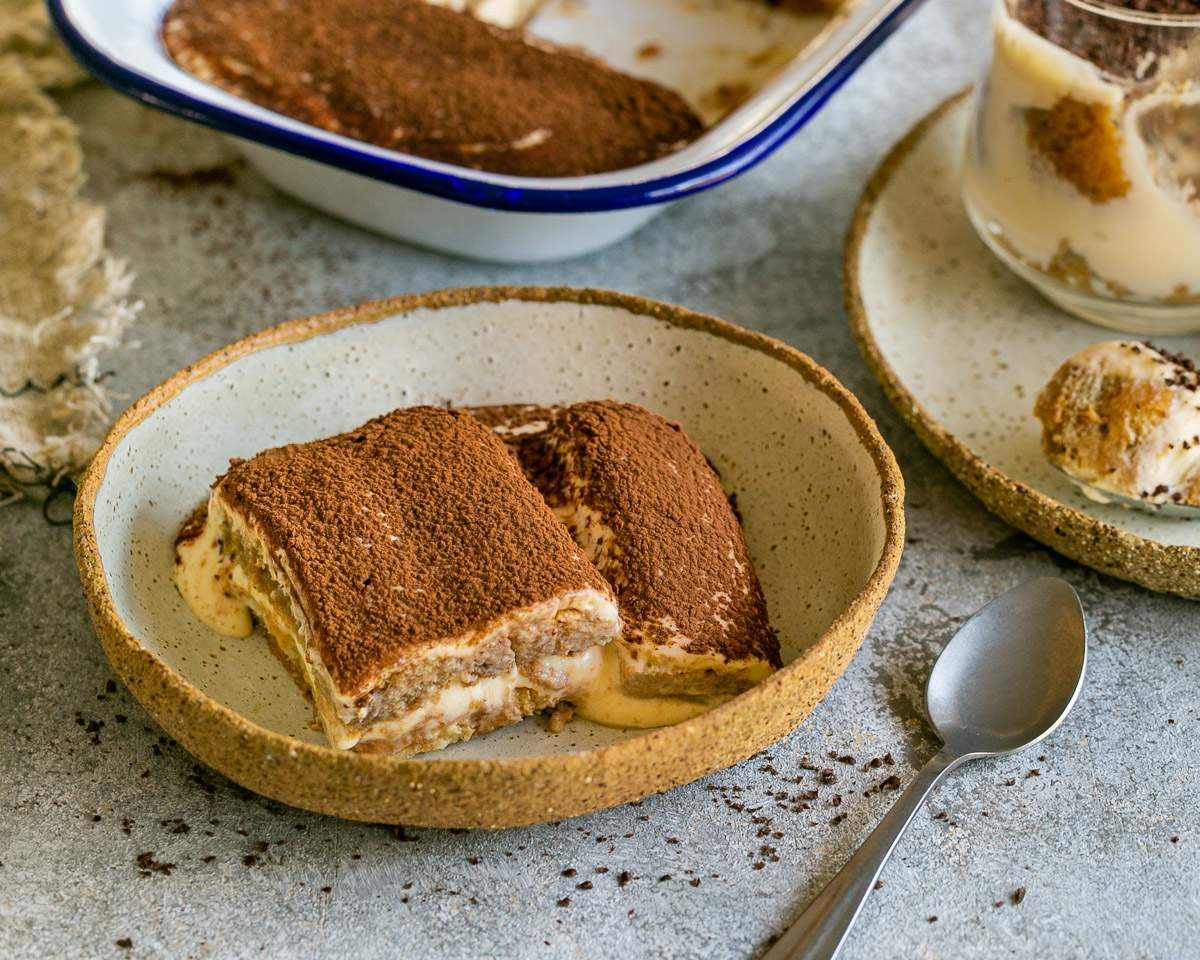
pixel 1083 167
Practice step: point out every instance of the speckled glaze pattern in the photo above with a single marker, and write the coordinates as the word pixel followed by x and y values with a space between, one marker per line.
pixel 819 489
pixel 962 348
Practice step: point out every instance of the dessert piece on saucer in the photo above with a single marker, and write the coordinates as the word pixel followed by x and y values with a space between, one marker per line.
pixel 408 574
pixel 423 79
pixel 1123 419
pixel 648 510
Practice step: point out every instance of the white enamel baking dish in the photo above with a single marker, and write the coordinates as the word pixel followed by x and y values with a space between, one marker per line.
pixel 791 64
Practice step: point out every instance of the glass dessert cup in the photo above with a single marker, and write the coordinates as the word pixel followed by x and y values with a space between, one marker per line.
pixel 1083 163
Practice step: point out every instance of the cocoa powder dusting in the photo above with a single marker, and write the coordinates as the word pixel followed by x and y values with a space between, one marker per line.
pixel 680 564
pixel 1119 47
pixel 429 81
pixel 415 528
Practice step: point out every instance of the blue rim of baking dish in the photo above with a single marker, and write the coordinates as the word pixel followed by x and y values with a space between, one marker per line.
pixel 409 172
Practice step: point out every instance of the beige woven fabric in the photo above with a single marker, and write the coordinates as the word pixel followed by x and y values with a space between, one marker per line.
pixel 63 297
pixel 26 34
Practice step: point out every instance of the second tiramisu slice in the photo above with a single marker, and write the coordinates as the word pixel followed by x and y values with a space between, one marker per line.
pixel 414 581
pixel 647 508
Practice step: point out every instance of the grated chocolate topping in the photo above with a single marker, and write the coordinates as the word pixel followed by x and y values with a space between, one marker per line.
pixel 1121 48
pixel 415 528
pixel 1181 360
pixel 422 79
pixel 678 563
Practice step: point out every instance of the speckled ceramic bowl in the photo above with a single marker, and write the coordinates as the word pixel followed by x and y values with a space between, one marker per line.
pixel 962 347
pixel 820 491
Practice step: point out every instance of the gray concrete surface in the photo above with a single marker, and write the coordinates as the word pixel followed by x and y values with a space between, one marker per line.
pixel 1103 839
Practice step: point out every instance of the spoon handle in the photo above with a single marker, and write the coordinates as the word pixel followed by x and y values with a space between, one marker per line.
pixel 820 930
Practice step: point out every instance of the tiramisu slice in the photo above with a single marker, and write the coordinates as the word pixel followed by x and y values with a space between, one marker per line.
pixel 430 81
pixel 648 510
pixel 408 573
pixel 1124 418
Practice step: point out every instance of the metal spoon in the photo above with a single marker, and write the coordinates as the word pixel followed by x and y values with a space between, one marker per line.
pixel 1182 511
pixel 1004 681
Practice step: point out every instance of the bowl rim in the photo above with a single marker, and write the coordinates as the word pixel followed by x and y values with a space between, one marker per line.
pixel 1164 568
pixel 479 188
pixel 146 673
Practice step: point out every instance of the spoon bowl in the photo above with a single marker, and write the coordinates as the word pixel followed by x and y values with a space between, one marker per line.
pixel 1182 511
pixel 1011 673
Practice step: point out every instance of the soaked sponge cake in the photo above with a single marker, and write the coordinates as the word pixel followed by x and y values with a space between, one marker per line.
pixel 648 510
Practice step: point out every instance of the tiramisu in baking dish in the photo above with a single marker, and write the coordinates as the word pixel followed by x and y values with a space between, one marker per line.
pixel 430 81
pixel 449 80
pixel 425 584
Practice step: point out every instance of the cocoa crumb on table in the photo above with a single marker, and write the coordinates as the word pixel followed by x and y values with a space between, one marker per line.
pixel 148 866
